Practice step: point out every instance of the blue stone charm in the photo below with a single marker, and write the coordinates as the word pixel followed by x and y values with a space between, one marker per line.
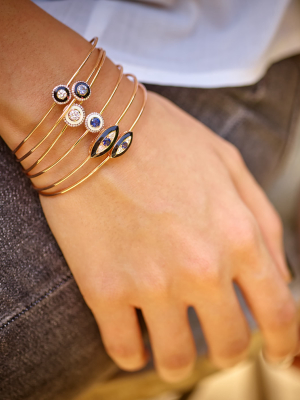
pixel 105 141
pixel 81 90
pixel 122 145
pixel 94 122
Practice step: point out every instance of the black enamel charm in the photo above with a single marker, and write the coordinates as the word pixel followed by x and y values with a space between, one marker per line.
pixel 61 94
pixel 105 141
pixel 122 145
pixel 81 90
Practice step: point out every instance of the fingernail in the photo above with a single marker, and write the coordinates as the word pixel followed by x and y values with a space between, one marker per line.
pixel 284 363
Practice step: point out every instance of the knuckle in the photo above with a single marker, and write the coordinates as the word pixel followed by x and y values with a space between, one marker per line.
pixel 283 317
pixel 233 352
pixel 204 270
pixel 155 285
pixel 122 352
pixel 105 293
pixel 243 233
pixel 177 362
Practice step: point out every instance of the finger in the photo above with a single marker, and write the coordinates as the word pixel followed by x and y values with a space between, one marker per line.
pixel 172 341
pixel 256 200
pixel 122 338
pixel 272 306
pixel 224 325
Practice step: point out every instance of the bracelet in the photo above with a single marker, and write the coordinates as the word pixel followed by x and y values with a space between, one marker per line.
pixel 98 139
pixel 93 42
pixel 120 147
pixel 74 113
pixel 100 60
pixel 82 136
pixel 107 140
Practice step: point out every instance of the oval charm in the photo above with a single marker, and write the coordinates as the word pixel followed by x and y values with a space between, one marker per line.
pixel 81 90
pixel 75 115
pixel 122 145
pixel 61 94
pixel 105 141
pixel 94 122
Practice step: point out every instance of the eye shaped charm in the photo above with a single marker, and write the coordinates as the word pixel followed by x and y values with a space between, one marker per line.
pixel 81 90
pixel 122 145
pixel 105 141
pixel 94 122
pixel 61 94
pixel 75 115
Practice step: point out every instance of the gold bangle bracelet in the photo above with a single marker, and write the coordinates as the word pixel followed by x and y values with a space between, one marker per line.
pixel 136 84
pixel 98 66
pixel 100 60
pixel 82 136
pixel 121 140
pixel 93 42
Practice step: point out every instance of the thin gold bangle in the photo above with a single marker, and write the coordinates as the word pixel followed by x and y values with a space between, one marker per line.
pixel 67 189
pixel 136 85
pixel 93 42
pixel 84 134
pixel 101 59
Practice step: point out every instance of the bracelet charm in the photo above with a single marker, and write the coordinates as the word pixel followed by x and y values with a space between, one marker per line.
pixel 61 94
pixel 75 116
pixel 94 122
pixel 105 142
pixel 81 90
pixel 122 145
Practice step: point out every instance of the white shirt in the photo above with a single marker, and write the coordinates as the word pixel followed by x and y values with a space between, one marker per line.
pixel 194 43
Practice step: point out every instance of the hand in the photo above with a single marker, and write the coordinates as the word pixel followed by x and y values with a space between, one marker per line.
pixel 171 224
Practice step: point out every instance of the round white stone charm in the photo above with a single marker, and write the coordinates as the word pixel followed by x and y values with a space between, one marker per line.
pixel 75 115
pixel 61 94
pixel 94 122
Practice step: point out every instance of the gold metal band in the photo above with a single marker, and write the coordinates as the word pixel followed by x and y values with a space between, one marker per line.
pixel 67 189
pixel 98 66
pixel 84 134
pixel 93 42
pixel 135 89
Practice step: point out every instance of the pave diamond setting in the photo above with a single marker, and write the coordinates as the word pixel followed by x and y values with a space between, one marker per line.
pixel 105 141
pixel 61 94
pixel 122 145
pixel 81 90
pixel 94 122
pixel 75 116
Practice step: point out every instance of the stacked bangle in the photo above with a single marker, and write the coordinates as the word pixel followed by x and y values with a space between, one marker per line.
pixel 107 140
pixel 81 137
pixel 73 114
pixel 94 42
pixel 118 148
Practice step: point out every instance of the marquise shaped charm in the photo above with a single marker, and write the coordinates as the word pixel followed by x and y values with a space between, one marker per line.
pixel 105 141
pixel 122 145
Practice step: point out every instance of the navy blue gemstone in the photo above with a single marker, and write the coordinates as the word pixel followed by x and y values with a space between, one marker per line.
pixel 106 141
pixel 124 145
pixel 95 122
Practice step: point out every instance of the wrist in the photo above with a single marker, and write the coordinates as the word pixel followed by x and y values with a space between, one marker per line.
pixel 41 71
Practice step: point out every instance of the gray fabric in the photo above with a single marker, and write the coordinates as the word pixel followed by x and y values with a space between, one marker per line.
pixel 50 347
